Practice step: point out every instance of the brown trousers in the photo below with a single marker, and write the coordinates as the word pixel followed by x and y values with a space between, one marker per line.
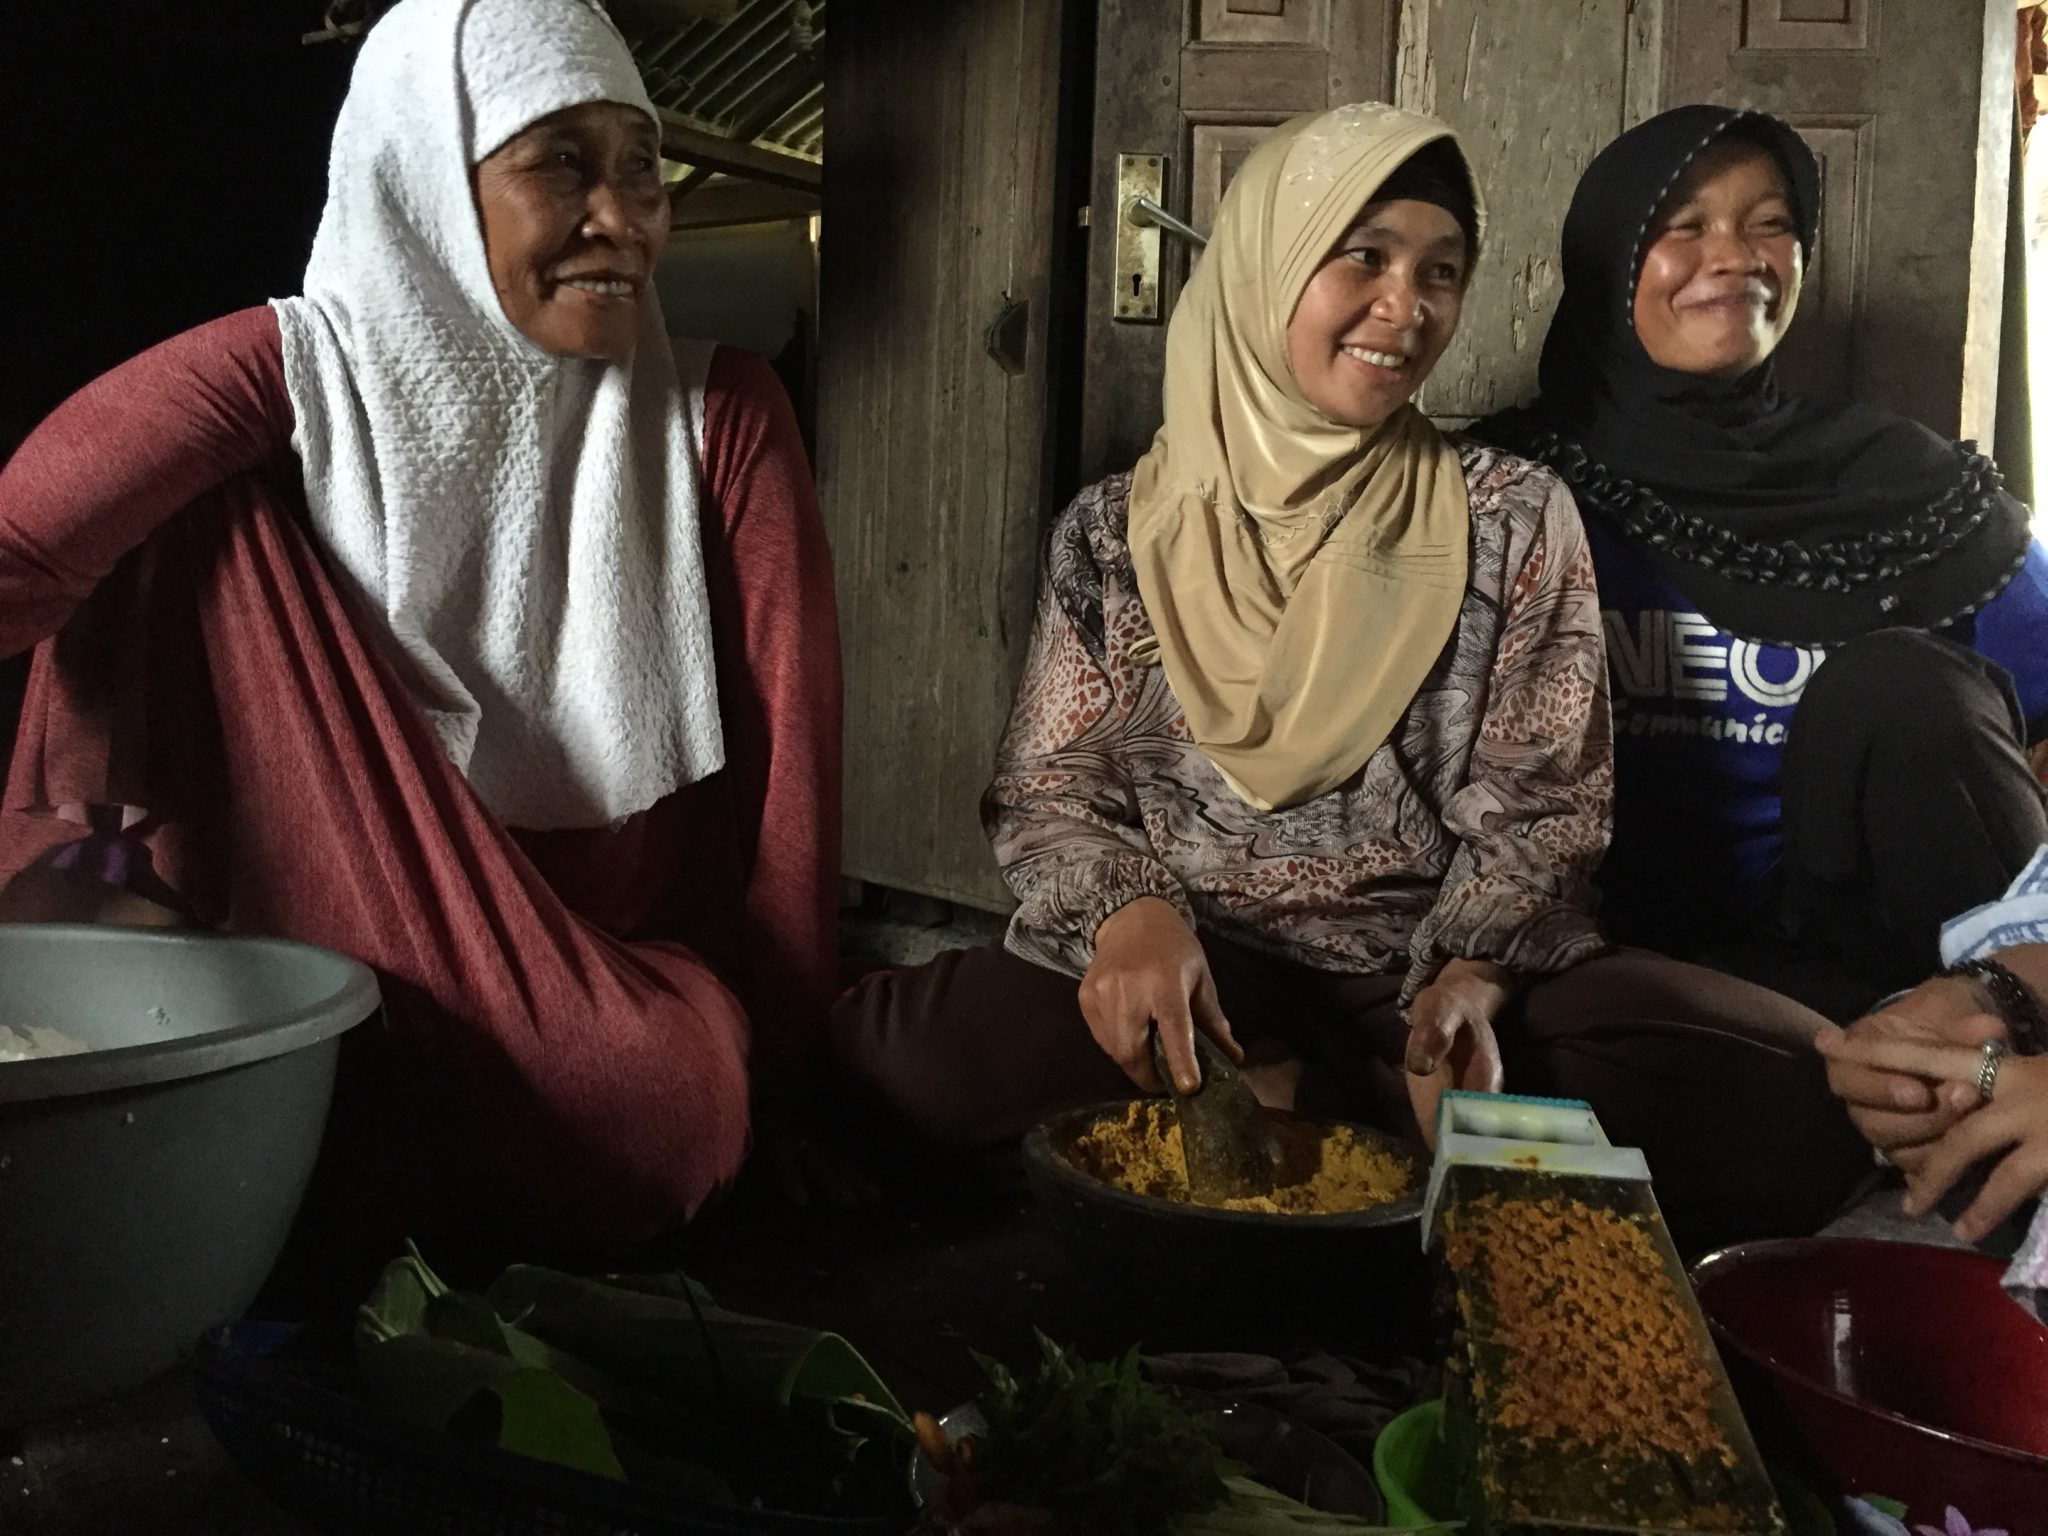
pixel 1716 1079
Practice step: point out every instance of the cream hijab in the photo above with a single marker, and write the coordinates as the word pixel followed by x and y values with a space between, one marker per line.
pixel 1302 576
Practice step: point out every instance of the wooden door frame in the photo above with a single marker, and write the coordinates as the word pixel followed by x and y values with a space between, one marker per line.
pixel 939 447
pixel 1143 79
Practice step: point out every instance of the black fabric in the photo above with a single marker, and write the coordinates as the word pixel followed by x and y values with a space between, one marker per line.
pixel 1789 521
pixel 1716 1080
pixel 1345 1399
pixel 1436 174
pixel 1907 799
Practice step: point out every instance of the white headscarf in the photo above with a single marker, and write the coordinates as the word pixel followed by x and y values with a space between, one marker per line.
pixel 526 525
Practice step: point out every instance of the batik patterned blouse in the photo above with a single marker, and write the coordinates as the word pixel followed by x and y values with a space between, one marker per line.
pixel 1473 831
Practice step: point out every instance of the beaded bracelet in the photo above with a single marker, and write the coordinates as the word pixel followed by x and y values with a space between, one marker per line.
pixel 2013 1001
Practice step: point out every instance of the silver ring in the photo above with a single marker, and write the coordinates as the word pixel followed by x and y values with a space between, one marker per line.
pixel 1993 1053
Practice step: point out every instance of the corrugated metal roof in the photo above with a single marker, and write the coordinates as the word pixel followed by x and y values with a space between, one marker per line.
pixel 756 77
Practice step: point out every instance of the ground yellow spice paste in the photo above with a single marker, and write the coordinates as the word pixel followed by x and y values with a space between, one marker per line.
pixel 1328 1168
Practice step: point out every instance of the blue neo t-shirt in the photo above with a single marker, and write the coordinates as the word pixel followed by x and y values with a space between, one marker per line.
pixel 1699 741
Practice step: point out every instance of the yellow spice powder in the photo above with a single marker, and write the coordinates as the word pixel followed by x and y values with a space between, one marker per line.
pixel 1141 1152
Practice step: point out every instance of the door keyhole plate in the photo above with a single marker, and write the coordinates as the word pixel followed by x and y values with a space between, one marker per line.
pixel 1134 291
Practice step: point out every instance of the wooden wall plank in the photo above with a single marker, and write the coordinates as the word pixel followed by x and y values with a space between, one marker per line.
pixel 1300 22
pixel 938 207
pixel 1528 148
pixel 1912 81
pixel 1362 51
pixel 1984 320
pixel 1647 60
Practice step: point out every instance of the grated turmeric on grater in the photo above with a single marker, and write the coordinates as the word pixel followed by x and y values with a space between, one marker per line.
pixel 1597 1353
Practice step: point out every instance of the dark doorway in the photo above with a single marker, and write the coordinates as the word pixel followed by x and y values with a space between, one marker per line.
pixel 164 165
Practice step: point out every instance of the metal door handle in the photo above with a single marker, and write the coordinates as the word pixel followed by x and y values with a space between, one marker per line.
pixel 1144 211
pixel 1140 184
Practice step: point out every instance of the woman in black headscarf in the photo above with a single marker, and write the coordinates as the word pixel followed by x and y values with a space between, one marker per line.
pixel 1827 625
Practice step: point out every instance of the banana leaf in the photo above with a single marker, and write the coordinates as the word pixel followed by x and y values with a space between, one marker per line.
pixel 444 1360
pixel 542 1416
pixel 411 1301
pixel 427 1381
pixel 668 1330
pixel 399 1301
pixel 641 1376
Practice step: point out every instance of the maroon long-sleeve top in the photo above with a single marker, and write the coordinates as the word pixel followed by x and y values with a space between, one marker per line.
pixel 571 1013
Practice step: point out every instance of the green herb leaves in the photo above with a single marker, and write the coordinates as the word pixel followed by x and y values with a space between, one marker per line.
pixel 1104 1450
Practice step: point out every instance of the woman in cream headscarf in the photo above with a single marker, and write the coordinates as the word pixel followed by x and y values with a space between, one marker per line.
pixel 449 616
pixel 1311 751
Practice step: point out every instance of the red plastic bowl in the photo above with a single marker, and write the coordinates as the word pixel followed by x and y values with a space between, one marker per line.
pixel 1905 1370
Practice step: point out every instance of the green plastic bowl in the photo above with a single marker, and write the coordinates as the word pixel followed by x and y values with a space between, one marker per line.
pixel 1408 1464
pixel 1419 1484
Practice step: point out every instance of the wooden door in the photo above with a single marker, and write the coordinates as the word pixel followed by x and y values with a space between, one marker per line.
pixel 938 220
pixel 1197 82
pixel 1909 106
pixel 1534 92
pixel 942 207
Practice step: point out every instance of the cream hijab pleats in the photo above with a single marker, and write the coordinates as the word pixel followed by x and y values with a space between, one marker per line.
pixel 1302 576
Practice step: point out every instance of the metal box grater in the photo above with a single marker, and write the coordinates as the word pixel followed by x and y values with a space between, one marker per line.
pixel 1556 1174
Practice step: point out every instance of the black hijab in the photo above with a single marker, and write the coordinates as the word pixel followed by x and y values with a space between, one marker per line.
pixel 1790 521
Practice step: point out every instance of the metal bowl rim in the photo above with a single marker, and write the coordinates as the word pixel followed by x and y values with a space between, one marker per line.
pixel 148 1063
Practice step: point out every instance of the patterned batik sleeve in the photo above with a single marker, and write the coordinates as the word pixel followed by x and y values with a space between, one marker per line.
pixel 1533 816
pixel 1062 813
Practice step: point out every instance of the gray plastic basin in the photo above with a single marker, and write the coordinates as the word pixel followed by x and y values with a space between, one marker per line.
pixel 147 1185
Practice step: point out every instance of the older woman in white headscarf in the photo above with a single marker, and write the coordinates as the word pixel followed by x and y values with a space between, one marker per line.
pixel 450 616
pixel 1311 754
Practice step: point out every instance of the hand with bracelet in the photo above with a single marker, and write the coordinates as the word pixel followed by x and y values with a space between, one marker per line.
pixel 1934 1083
